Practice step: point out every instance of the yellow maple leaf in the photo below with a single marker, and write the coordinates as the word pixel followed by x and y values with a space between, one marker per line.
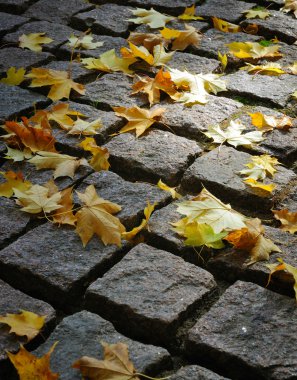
pixel 24 324
pixel 262 189
pixel 99 161
pixel 260 167
pixel 225 26
pixel 85 128
pixel 288 220
pixel 273 69
pixel 130 235
pixel 14 76
pixel 158 58
pixel 223 59
pixel 182 38
pixel 61 84
pixel 65 214
pixel 150 17
pixel 148 40
pixel 253 50
pixel 61 114
pixel 30 367
pixel 13 181
pixel 171 190
pixel 267 123
pixel 33 41
pixel 84 42
pixel 256 12
pixel 95 217
pixel 189 14
pixel 290 6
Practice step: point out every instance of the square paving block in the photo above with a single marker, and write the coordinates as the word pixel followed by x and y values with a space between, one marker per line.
pixel 250 333
pixel 9 22
pixel 150 290
pixel 193 63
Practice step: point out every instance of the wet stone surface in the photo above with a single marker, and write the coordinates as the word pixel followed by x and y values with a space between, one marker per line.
pixel 150 290
pixel 80 335
pixel 158 154
pixel 243 334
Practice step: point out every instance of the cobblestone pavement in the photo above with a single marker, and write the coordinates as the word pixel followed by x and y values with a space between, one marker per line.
pixel 191 316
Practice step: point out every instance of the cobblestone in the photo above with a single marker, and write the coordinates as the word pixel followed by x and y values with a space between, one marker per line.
pixel 9 22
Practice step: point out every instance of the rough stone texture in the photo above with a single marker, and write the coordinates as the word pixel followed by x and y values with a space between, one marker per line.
pixel 279 24
pixel 99 93
pixel 51 263
pixel 132 197
pixel 158 154
pixel 110 19
pixel 290 201
pixel 22 58
pixel 59 33
pixel 276 90
pixel 289 54
pixel 193 63
pixel 218 172
pixel 14 6
pixel 250 333
pixel 192 121
pixel 17 101
pixel 78 72
pixel 56 11
pixel 12 301
pixel 12 221
pixel 175 8
pixel 9 22
pixel 80 335
pixel 150 290
pixel 195 372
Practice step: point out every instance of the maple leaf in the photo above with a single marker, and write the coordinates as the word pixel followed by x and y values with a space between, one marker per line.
pixel 262 189
pixel 158 58
pixel 14 76
pixel 63 164
pixel 182 38
pixel 61 84
pixel 260 167
pixel 95 217
pixel 13 181
pixel 256 12
pixel 99 161
pixel 24 324
pixel 130 235
pixel 153 86
pixel 225 26
pixel 253 50
pixel 233 134
pixel 189 14
pixel 273 69
pixel 109 62
pixel 290 6
pixel 83 42
pixel 138 118
pixel 147 40
pixel 267 123
pixel 288 220
pixel 65 214
pixel 223 59
pixel 61 114
pixel 283 267
pixel 33 41
pixel 37 199
pixel 30 367
pixel 82 127
pixel 171 190
pixel 150 17
pixel 17 155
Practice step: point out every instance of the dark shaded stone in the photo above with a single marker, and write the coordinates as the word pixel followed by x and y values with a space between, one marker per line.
pixel 150 290
pixel 110 19
pixel 102 93
pixel 279 24
pixel 78 72
pixel 12 301
pixel 51 263
pixel 80 335
pixel 276 90
pixel 56 11
pixel 175 8
pixel 17 101
pixel 22 58
pixel 193 63
pixel 290 201
pixel 219 170
pixel 14 6
pixel 156 155
pixel 132 197
pixel 12 221
pixel 195 372
pixel 249 333
pixel 192 121
pixel 9 22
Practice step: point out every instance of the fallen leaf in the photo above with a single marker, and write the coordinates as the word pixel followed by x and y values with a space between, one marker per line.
pixel 256 12
pixel 171 190
pixel 61 114
pixel 150 17
pixel 14 76
pixel 85 128
pixel 189 14
pixel 283 267
pixel 24 324
pixel 17 155
pixel 99 161
pixel 225 26
pixel 253 50
pixel 260 167
pixel 268 123
pixel 273 69
pixel 130 235
pixel 294 95
pixel 223 59
pixel 262 250
pixel 290 6
pixel 262 189
pixel 147 40
pixel 30 367
pixel 65 214
pixel 138 118
pixel 84 42
pixel 33 41
pixel 95 217
pixel 182 38
pixel 247 237
pixel 288 220
pixel 158 58
pixel 61 84
pixel 13 181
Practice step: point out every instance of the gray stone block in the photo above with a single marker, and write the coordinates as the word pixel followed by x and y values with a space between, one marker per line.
pixel 78 72
pixel 193 63
pixel 9 22
pixel 195 372
pixel 15 6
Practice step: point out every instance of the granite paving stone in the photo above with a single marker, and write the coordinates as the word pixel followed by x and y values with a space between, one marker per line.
pixel 275 90
pixel 195 372
pixel 218 170
pixel 9 22
pixel 15 6
pixel 80 335
pixel 47 10
pixel 51 263
pixel 250 333
pixel 150 290
pixel 110 19
pixel 18 58
pixel 193 63
pixel 158 154
pixel 12 301
pixel 289 54
pixel 133 197
pixel 290 201
pixel 18 101
pixel 175 8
